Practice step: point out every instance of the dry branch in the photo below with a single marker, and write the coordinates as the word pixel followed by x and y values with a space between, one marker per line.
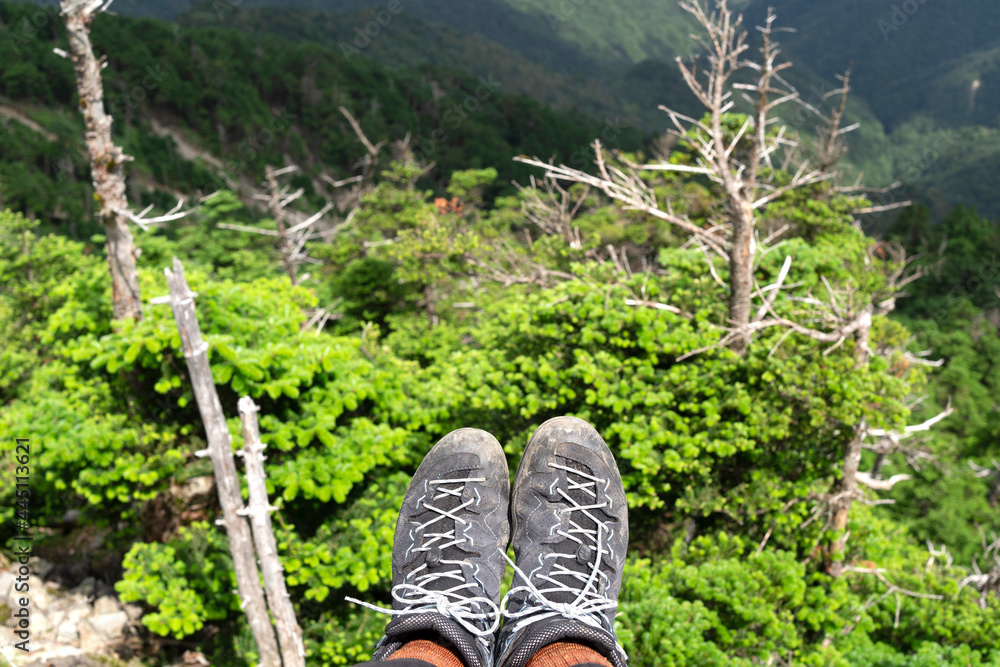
pixel 294 230
pixel 891 590
pixel 220 452
pixel 985 582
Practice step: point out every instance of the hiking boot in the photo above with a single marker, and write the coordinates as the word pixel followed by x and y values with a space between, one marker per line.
pixel 569 519
pixel 447 555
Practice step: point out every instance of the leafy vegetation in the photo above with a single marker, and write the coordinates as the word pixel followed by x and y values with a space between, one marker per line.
pixel 715 448
pixel 245 102
pixel 457 302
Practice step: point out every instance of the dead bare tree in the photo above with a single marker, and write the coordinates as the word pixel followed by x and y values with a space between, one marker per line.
pixel 833 148
pixel 370 160
pixel 294 229
pixel 181 300
pixel 553 210
pixel 847 314
pixel 833 318
pixel 889 442
pixel 107 160
pixel 847 489
pixel 891 590
pixel 742 165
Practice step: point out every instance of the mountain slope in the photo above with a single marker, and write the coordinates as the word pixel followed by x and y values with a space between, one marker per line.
pixel 927 83
pixel 628 96
pixel 900 58
pixel 251 101
pixel 628 92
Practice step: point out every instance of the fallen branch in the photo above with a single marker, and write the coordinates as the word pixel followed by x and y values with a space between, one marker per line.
pixel 220 452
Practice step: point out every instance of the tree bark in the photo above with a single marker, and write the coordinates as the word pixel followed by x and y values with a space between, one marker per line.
pixel 289 632
pixel 106 162
pixel 221 454
pixel 880 460
pixel 846 488
pixel 862 337
pixel 842 496
pixel 285 246
pixel 741 276
pixel 430 305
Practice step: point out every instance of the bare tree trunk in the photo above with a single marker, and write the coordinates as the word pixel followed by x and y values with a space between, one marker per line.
pixel 842 497
pixel 430 305
pixel 862 348
pixel 221 453
pixel 284 245
pixel 845 490
pixel 289 632
pixel 880 461
pixel 994 496
pixel 741 277
pixel 106 162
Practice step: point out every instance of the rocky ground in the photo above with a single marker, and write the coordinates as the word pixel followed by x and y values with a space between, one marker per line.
pixel 83 625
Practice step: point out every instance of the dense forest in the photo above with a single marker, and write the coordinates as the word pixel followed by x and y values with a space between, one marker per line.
pixel 453 282
pixel 925 76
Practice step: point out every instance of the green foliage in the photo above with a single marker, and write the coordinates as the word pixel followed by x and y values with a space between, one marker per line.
pixel 285 106
pixel 188 581
pixel 344 639
pixel 583 351
pixel 230 254
pixel 360 534
pixel 723 457
pixel 720 601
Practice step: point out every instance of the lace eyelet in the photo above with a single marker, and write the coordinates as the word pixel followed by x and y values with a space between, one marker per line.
pixel 433 557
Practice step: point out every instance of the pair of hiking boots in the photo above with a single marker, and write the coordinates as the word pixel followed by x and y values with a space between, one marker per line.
pixel 568 523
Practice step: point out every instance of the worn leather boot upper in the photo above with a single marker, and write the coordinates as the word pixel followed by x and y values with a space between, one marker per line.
pixel 569 520
pixel 447 559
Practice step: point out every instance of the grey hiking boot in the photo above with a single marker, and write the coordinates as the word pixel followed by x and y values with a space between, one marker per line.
pixel 447 555
pixel 569 519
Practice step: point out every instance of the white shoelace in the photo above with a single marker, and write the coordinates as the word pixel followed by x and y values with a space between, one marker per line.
pixel 589 604
pixel 418 599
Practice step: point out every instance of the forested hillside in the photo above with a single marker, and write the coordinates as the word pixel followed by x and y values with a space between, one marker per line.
pixel 925 80
pixel 615 89
pixel 817 486
pixel 203 109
